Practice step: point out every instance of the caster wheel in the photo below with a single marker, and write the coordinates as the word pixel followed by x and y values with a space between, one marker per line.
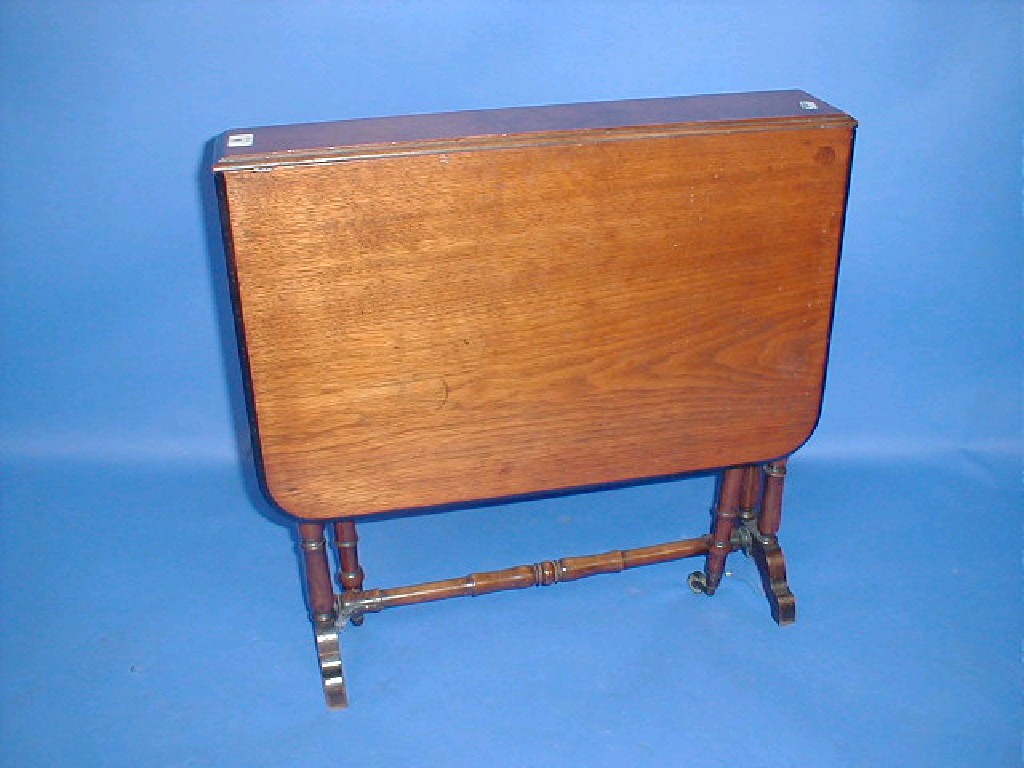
pixel 698 583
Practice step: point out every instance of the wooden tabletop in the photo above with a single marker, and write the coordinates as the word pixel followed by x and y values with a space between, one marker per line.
pixel 488 317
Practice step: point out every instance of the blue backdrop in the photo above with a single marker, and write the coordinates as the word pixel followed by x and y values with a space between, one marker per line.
pixel 119 408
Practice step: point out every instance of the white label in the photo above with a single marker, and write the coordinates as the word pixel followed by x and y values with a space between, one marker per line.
pixel 245 139
pixel 803 105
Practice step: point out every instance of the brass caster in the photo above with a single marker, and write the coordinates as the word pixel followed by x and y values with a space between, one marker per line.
pixel 698 583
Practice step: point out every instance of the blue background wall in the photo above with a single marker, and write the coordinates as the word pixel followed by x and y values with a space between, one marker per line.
pixel 129 639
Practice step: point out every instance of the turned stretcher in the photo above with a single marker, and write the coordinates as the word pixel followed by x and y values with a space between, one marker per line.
pixel 443 309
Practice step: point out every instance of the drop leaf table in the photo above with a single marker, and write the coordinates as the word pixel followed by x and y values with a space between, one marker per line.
pixel 444 309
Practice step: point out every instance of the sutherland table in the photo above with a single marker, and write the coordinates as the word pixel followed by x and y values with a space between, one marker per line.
pixel 440 309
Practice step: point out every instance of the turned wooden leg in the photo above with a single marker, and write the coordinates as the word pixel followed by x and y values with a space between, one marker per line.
pixel 727 511
pixel 350 575
pixel 765 545
pixel 750 493
pixel 323 612
pixel 318 572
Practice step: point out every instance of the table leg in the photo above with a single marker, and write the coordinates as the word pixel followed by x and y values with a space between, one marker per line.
pixel 323 612
pixel 350 574
pixel 750 493
pixel 765 548
pixel 727 512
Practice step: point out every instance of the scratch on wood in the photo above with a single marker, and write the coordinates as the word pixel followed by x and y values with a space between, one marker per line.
pixel 444 397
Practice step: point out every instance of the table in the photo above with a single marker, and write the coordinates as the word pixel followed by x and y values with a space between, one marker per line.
pixel 443 309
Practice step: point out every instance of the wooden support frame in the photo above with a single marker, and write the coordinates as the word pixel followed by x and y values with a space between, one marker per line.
pixel 743 520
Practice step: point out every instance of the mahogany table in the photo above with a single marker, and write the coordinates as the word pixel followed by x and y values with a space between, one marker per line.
pixel 441 309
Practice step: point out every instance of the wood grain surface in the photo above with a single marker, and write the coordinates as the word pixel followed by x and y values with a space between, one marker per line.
pixel 453 326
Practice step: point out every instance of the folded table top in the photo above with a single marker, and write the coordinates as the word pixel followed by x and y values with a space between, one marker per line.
pixel 448 308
